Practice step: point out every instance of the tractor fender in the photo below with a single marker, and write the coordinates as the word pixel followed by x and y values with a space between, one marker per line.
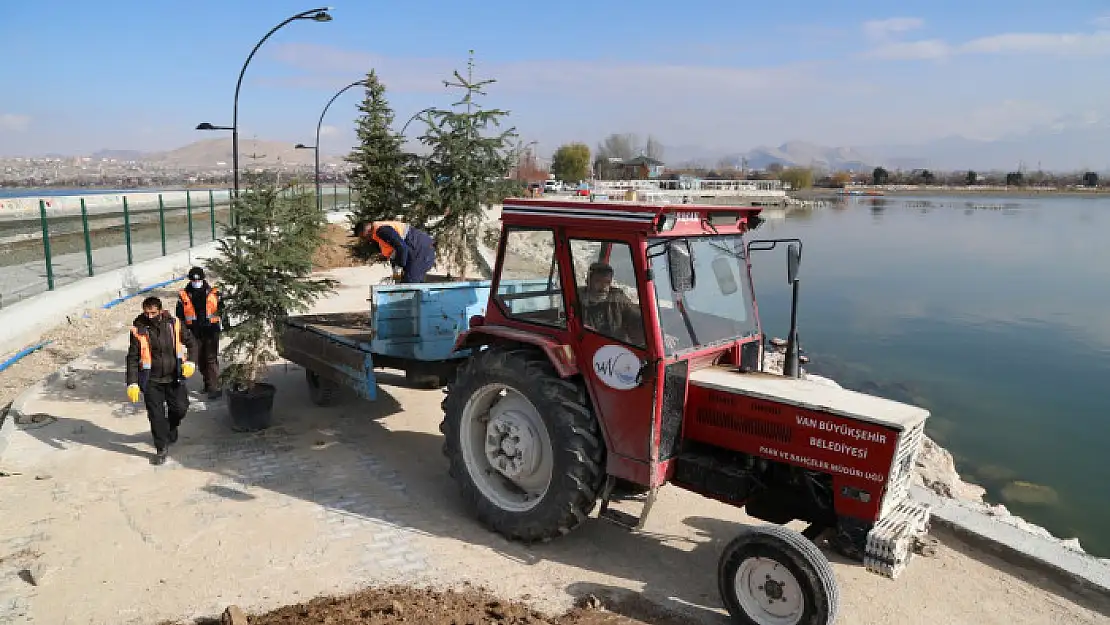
pixel 560 354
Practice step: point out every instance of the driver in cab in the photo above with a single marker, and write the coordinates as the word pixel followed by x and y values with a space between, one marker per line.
pixel 608 309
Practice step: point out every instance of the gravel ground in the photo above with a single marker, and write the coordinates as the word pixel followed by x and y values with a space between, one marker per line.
pixel 70 341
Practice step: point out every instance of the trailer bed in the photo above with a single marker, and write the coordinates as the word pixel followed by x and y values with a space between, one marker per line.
pixel 335 351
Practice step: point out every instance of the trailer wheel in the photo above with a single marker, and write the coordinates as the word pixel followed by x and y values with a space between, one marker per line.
pixel 771 575
pixel 523 445
pixel 321 391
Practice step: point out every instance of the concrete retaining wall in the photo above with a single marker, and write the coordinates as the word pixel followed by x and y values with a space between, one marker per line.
pixel 31 317
pixel 24 321
pixel 67 205
pixel 64 205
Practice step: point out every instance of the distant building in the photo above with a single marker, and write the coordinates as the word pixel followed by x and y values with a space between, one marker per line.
pixel 636 168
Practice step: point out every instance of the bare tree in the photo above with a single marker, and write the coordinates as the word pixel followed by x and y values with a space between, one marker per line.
pixel 653 149
pixel 621 146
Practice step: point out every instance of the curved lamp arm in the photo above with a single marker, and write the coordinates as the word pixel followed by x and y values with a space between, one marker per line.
pixel 317 15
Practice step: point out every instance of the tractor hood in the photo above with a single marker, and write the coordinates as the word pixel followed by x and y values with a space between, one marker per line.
pixel 810 395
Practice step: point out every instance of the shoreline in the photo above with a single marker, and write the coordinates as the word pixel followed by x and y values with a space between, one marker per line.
pixel 935 471
pixel 922 190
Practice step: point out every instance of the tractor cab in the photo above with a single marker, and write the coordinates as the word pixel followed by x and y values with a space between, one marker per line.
pixel 630 298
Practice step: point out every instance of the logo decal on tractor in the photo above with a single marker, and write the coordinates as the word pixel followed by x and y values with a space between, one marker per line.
pixel 617 367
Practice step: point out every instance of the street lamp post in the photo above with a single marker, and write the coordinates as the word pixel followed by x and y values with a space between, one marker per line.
pixel 319 124
pixel 317 15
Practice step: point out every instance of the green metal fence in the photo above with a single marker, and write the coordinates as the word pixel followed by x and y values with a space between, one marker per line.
pixel 44 253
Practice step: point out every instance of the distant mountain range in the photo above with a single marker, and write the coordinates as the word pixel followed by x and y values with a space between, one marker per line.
pixel 210 152
pixel 1067 145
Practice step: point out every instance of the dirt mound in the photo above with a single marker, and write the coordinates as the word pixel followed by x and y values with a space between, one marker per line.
pixel 334 252
pixel 397 604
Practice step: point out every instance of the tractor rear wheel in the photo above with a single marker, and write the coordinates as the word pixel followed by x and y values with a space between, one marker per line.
pixel 771 575
pixel 523 444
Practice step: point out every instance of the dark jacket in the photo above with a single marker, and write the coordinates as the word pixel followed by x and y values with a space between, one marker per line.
pixel 413 251
pixel 164 366
pixel 201 326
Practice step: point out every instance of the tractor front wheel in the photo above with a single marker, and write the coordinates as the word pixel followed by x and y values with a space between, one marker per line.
pixel 523 445
pixel 771 575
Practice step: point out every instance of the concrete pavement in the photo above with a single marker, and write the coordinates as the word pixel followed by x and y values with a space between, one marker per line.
pixel 331 500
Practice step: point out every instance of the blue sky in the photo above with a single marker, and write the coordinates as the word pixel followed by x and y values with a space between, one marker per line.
pixel 81 76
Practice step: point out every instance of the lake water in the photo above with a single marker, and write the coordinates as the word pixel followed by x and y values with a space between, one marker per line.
pixel 996 320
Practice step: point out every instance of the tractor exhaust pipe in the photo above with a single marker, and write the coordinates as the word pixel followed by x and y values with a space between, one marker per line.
pixel 791 367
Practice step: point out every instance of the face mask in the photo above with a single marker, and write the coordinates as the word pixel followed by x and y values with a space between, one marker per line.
pixel 196 284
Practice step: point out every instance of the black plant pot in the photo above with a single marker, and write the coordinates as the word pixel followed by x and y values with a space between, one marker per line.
pixel 251 410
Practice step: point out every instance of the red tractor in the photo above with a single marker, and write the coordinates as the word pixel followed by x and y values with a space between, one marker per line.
pixel 621 349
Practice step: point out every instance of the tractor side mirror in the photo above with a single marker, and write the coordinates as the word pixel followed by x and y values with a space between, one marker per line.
pixel 793 259
pixel 680 261
pixel 726 280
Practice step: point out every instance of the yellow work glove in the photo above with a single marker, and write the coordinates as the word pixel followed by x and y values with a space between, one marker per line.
pixel 188 369
pixel 133 392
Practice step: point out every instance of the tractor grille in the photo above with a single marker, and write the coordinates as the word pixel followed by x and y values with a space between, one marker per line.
pixel 901 469
pixel 759 428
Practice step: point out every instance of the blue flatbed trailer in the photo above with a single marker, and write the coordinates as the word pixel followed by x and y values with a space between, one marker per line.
pixel 410 327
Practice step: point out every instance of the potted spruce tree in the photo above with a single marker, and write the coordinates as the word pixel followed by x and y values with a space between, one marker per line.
pixel 265 268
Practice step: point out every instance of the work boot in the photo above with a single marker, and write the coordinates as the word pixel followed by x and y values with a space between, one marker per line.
pixel 173 436
pixel 159 457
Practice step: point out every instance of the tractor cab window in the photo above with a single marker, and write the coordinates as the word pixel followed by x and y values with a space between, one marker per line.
pixel 711 305
pixel 529 287
pixel 605 284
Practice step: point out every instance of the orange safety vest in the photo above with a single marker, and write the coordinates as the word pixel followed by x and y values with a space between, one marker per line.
pixel 143 337
pixel 211 307
pixel 399 226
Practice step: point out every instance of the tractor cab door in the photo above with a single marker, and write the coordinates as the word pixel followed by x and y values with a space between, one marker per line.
pixel 612 342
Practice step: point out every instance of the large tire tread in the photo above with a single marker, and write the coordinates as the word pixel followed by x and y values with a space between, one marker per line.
pixel 575 436
pixel 795 550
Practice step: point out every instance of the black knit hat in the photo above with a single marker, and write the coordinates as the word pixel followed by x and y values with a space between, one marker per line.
pixel 196 273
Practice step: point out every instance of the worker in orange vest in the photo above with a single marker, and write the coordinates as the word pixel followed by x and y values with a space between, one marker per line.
pixel 159 360
pixel 200 307
pixel 411 251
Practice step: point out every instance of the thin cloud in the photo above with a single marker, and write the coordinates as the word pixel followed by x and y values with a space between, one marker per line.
pixel 881 30
pixel 13 122
pixel 1102 21
pixel 911 51
pixel 549 77
pixel 1095 43
pixel 327 131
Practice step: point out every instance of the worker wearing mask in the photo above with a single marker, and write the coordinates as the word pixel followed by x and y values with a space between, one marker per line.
pixel 159 360
pixel 200 307
pixel 411 251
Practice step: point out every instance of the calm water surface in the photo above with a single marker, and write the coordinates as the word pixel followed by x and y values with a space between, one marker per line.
pixel 995 319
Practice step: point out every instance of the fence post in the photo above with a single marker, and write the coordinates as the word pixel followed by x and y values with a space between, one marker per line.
pixel 46 246
pixel 189 215
pixel 334 195
pixel 88 239
pixel 127 231
pixel 162 222
pixel 212 212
